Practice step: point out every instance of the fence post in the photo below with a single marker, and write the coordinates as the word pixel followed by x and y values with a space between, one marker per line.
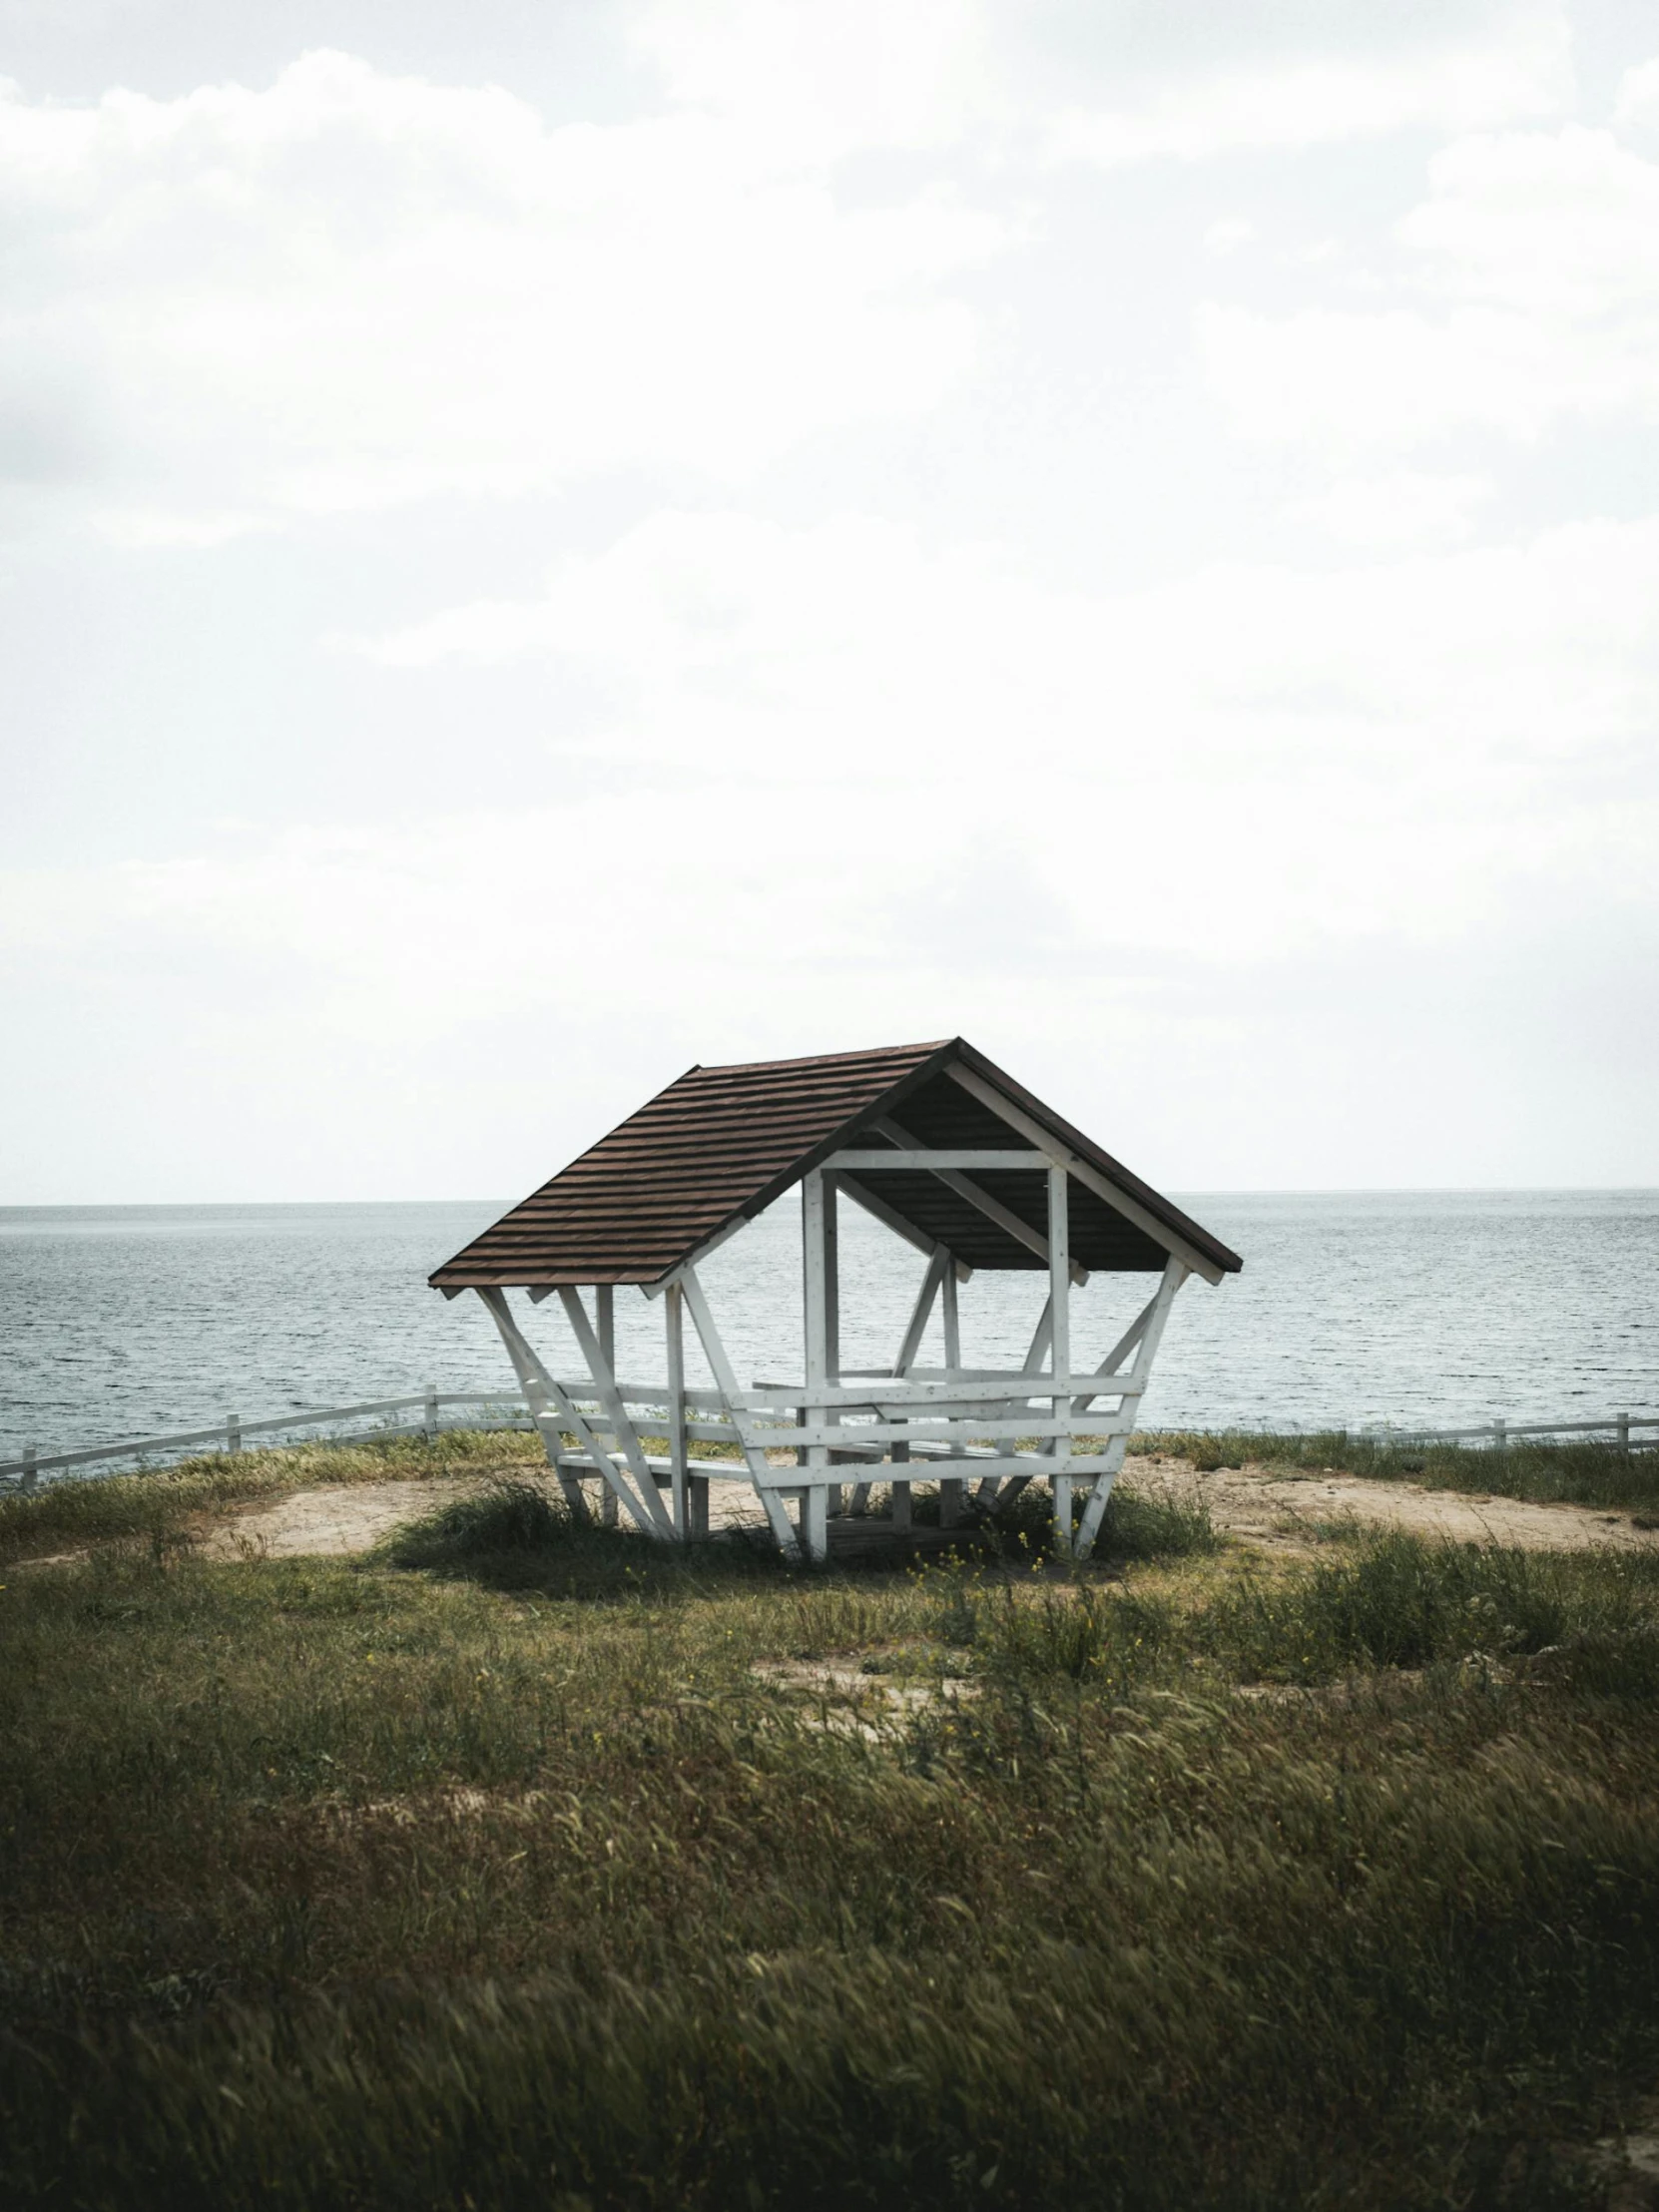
pixel 1624 1433
pixel 233 1433
pixel 29 1476
pixel 431 1412
pixel 1500 1435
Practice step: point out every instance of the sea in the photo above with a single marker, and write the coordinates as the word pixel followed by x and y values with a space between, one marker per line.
pixel 1435 1308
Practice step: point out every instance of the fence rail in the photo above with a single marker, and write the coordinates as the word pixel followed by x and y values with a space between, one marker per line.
pixel 508 1411
pixel 1499 1434
pixel 230 1435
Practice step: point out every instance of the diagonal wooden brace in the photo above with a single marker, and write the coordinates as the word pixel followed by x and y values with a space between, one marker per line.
pixel 558 1408
pixel 626 1435
pixel 725 1382
pixel 1150 1327
pixel 530 1374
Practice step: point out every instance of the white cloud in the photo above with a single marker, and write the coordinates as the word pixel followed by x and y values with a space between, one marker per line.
pixel 147 529
pixel 1506 64
pixel 832 764
pixel 818 82
pixel 1397 512
pixel 1113 84
pixel 1532 294
pixel 1395 747
pixel 1637 104
pixel 1563 224
pixel 1228 234
pixel 349 290
pixel 1398 378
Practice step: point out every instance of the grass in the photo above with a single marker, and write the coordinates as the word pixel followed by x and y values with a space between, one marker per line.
pixel 158 1505
pixel 515 1536
pixel 1548 1474
pixel 491 1872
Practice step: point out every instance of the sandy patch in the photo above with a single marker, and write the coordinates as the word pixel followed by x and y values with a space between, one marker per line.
pixel 1276 1509
pixel 335 1519
pixel 1265 1507
pixel 339 1518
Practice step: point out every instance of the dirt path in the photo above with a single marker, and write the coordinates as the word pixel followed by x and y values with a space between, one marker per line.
pixel 1276 1509
pixel 339 1518
pixel 1269 1507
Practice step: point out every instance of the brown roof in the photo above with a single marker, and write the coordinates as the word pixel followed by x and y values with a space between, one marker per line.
pixel 722 1143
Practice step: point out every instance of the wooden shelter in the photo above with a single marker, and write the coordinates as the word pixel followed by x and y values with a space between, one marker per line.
pixel 955 1158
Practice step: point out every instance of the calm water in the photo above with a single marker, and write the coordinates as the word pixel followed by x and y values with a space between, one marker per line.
pixel 1438 1309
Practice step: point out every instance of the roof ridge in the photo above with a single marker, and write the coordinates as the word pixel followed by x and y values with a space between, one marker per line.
pixel 722 1141
pixel 821 1059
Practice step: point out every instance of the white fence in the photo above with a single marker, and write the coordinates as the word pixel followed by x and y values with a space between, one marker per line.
pixel 1618 1427
pixel 508 1410
pixel 499 1409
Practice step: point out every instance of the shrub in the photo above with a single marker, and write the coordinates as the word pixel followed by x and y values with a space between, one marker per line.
pixel 1137 1524
pixel 1081 1634
pixel 1400 1600
pixel 510 1517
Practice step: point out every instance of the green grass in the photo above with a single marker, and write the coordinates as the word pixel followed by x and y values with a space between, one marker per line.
pixel 64 1515
pixel 1549 1475
pixel 1392 1602
pixel 505 1880
pixel 515 1536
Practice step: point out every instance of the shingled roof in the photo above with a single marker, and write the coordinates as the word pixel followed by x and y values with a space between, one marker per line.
pixel 721 1143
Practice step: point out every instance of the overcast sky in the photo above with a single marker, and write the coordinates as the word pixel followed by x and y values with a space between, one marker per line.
pixel 542 544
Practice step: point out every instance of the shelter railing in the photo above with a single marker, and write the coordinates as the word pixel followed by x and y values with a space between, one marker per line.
pixel 929 1413
pixel 773 1411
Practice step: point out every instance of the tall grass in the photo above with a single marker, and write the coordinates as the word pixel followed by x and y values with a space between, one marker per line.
pixel 1137 1524
pixel 1548 1474
pixel 1398 1601
pixel 514 1535
pixel 333 1884
pixel 1395 1600
pixel 75 1512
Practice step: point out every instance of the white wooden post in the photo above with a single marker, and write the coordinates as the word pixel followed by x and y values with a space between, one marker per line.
pixel 814 1534
pixel 1624 1433
pixel 674 1307
pixel 831 1280
pixel 939 1265
pixel 532 1380
pixel 1147 1331
pixel 832 1496
pixel 940 1262
pixel 653 1514
pixel 817 1256
pixel 431 1413
pixel 31 1473
pixel 952 1489
pixel 1059 1338
pixel 698 1487
pixel 603 1313
pixel 901 1494
pixel 991 1485
pixel 725 1382
pixel 1041 1337
pixel 964 1187
pixel 1500 1434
